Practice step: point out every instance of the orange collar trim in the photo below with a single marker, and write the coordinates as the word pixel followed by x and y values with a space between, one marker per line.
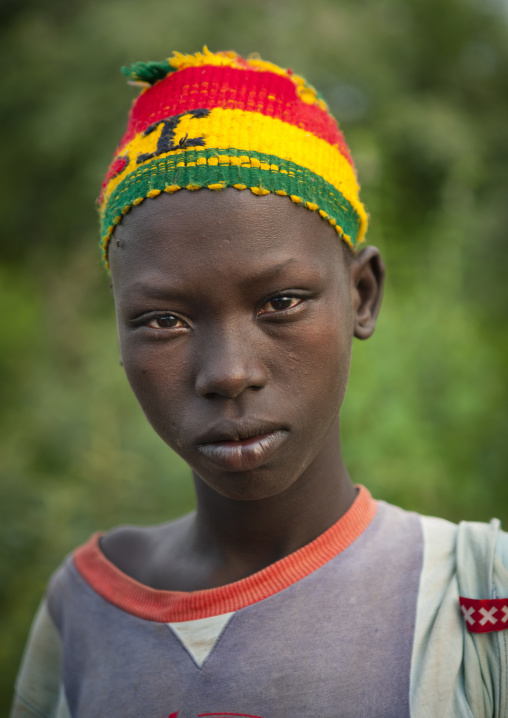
pixel 168 606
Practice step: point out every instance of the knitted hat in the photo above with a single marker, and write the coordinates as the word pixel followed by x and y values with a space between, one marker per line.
pixel 216 120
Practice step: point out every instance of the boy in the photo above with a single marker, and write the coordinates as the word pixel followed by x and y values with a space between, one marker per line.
pixel 289 592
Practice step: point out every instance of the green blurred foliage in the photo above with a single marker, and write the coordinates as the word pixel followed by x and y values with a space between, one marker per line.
pixel 420 89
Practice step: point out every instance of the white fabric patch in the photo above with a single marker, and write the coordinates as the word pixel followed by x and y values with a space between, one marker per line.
pixel 39 690
pixel 438 638
pixel 199 637
pixel 62 710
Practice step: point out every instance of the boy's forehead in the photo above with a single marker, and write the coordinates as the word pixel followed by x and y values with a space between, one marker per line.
pixel 229 229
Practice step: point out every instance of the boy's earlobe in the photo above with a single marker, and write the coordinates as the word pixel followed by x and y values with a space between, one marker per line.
pixel 367 276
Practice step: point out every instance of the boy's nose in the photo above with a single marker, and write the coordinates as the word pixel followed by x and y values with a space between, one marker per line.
pixel 228 366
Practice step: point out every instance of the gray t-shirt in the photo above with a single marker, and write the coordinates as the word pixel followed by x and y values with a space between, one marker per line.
pixel 350 625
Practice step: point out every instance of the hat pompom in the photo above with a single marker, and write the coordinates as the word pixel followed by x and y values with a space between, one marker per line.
pixel 147 72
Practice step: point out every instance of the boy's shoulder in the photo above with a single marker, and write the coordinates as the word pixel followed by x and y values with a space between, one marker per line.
pixel 472 553
pixel 473 556
pixel 462 620
pixel 151 555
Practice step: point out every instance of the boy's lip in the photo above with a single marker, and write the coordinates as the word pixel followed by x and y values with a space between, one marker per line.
pixel 240 446
pixel 242 430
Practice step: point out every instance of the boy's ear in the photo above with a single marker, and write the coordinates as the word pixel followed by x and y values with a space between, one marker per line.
pixel 367 278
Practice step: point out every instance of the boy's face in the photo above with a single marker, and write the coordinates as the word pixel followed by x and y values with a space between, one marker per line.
pixel 236 316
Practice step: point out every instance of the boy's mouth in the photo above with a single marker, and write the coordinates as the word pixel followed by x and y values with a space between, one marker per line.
pixel 242 446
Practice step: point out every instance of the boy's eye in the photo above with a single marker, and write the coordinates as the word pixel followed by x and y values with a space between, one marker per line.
pixel 166 321
pixel 279 304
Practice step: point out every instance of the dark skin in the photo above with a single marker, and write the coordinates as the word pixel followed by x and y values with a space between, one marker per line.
pixel 236 316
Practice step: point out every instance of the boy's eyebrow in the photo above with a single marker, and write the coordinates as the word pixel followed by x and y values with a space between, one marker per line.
pixel 158 288
pixel 271 272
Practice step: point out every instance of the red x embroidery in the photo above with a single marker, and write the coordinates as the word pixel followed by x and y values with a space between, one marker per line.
pixel 485 615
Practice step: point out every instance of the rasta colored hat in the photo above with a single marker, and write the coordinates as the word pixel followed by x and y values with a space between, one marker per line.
pixel 215 120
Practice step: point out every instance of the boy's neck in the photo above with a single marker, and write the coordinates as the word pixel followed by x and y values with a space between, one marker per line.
pixel 245 536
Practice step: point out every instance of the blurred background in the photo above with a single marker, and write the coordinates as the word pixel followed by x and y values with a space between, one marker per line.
pixel 420 89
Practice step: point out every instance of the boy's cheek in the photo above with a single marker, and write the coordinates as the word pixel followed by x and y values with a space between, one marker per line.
pixel 152 384
pixel 321 355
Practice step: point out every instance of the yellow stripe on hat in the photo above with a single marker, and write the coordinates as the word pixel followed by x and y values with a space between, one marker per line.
pixel 224 129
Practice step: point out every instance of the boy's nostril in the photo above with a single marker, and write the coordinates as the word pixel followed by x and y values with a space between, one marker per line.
pixel 228 386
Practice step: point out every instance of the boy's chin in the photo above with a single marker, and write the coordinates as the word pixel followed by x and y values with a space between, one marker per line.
pixel 249 470
pixel 250 485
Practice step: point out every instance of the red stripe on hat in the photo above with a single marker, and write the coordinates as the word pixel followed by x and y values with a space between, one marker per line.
pixel 485 615
pixel 165 606
pixel 228 87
